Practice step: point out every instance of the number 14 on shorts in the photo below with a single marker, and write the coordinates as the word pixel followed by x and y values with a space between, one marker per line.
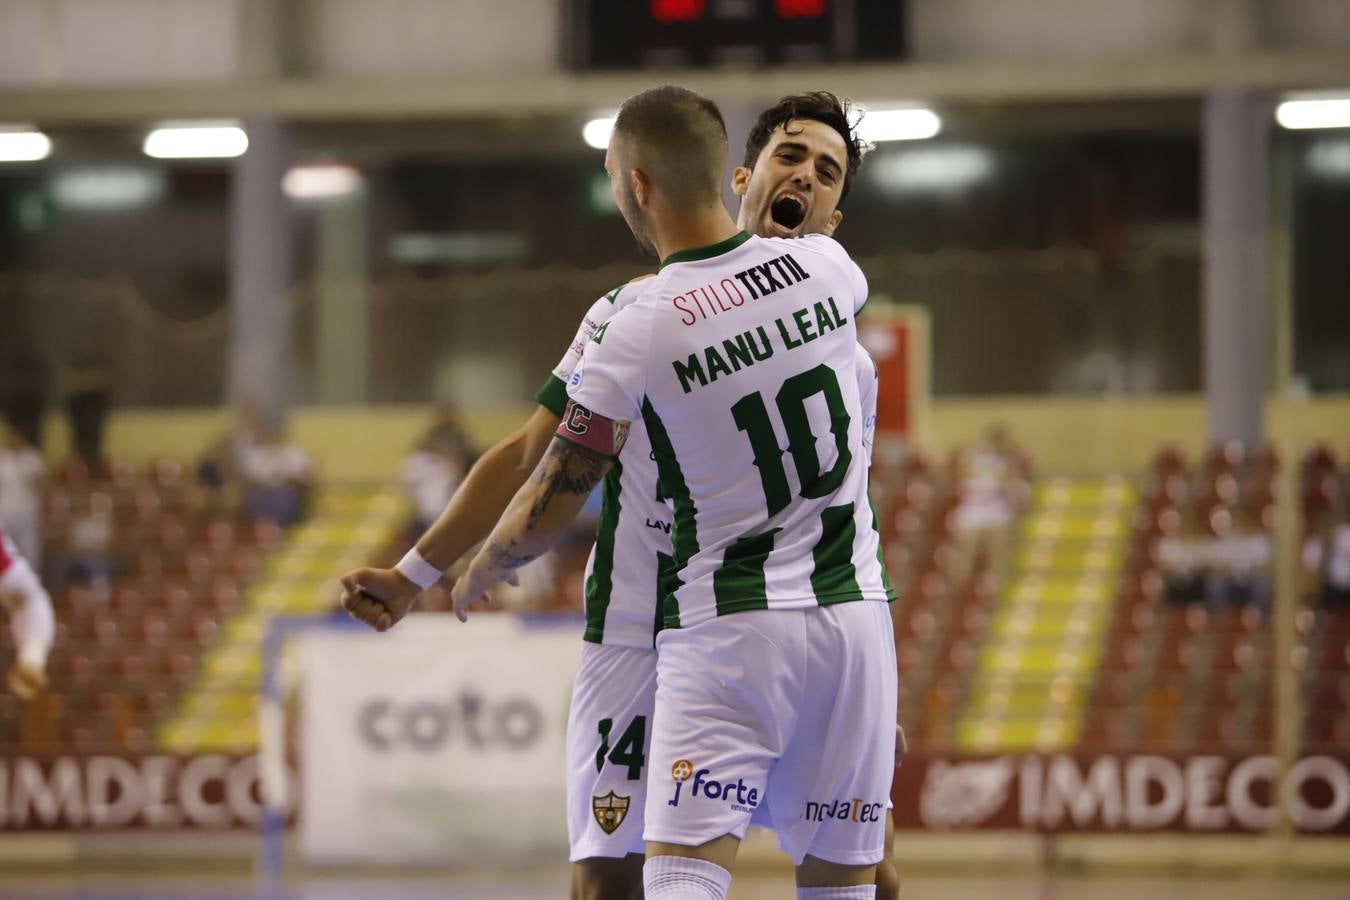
pixel 627 751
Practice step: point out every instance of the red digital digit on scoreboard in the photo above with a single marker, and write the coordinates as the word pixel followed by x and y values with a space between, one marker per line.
pixel 668 11
pixel 800 9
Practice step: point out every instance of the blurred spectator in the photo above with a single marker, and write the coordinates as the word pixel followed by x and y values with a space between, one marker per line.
pixel 21 475
pixel 278 476
pixel 219 466
pixel 985 480
pixel 1241 561
pixel 1326 554
pixel 434 469
pixel 88 390
pixel 1183 557
pixel 88 555
pixel 447 431
pixel 22 390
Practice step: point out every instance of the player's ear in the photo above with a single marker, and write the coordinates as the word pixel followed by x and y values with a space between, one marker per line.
pixel 640 186
pixel 740 180
pixel 835 218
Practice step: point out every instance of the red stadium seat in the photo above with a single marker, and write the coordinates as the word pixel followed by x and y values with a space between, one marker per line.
pixel 166 473
pixel 224 596
pixel 246 565
pixel 203 627
pixel 198 566
pixel 220 534
pixel 155 630
pixel 177 600
pixel 1169 459
pixel 1225 457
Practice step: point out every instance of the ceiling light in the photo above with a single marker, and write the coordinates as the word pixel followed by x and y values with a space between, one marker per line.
pixel 196 141
pixel 880 125
pixel 24 146
pixel 596 132
pixel 1326 112
pixel 319 182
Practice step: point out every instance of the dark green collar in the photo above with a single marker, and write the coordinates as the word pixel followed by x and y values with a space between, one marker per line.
pixel 696 253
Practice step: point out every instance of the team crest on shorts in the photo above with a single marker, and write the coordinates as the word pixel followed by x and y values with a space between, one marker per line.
pixel 610 811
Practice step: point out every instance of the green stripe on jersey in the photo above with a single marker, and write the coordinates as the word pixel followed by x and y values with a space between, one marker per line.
pixel 670 480
pixel 694 254
pixel 881 555
pixel 684 530
pixel 834 579
pixel 667 583
pixel 738 584
pixel 600 585
pixel 553 396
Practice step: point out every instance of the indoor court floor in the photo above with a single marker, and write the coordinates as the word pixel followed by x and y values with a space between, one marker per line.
pixel 551 884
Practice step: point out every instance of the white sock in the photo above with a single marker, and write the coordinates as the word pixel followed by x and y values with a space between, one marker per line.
pixel 682 878
pixel 859 892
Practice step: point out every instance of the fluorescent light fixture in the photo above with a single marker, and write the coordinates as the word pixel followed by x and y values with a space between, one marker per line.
pixel 199 140
pixel 933 169
pixel 106 189
pixel 24 146
pixel 1323 112
pixel 320 182
pixel 880 125
pixel 596 132
pixel 458 247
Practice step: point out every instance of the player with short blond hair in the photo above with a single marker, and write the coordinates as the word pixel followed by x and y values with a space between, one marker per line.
pixel 740 359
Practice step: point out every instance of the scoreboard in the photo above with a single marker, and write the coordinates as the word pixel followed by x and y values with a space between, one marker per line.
pixel 630 34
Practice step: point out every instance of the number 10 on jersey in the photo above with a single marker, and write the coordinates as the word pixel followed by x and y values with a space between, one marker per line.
pixel 752 416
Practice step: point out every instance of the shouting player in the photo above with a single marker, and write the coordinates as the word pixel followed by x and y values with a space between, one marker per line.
pixel 799 163
pixel 31 621
pixel 776 652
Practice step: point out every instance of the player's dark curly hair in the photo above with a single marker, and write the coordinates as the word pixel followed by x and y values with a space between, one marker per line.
pixel 822 106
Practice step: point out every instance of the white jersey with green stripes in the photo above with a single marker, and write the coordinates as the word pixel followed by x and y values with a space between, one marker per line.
pixel 632 540
pixel 633 546
pixel 741 361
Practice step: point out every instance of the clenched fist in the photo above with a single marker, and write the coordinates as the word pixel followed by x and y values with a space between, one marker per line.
pixel 378 597
pixel 25 681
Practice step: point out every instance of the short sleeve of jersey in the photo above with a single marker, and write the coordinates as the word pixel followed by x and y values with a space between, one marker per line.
pixel 553 395
pixel 867 395
pixel 611 379
pixel 852 274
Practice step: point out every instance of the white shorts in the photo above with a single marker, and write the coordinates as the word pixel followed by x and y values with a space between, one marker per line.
pixel 608 739
pixel 795 708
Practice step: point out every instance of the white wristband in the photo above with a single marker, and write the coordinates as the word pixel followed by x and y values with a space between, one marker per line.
pixel 418 570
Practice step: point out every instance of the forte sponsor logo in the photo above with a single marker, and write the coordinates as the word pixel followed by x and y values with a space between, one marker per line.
pixel 213 791
pixel 468 719
pixel 855 810
pixel 734 793
pixel 1135 793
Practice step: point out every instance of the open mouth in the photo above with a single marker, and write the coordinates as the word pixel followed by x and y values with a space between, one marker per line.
pixel 788 211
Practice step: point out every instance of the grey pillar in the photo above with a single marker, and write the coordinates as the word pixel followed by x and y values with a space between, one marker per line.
pixel 342 346
pixel 1236 318
pixel 260 274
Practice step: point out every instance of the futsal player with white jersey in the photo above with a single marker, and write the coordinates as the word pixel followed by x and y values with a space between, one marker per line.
pixel 776 653
pixel 31 621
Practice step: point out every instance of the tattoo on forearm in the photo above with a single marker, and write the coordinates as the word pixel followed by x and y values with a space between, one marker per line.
pixel 566 468
pixel 505 556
